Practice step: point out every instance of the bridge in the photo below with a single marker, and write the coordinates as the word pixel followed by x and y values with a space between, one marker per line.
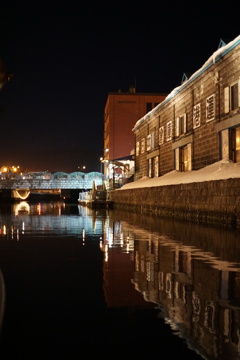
pixel 20 186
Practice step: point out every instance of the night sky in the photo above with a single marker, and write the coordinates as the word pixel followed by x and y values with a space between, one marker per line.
pixel 67 56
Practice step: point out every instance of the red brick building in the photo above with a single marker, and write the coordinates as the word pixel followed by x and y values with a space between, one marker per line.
pixel 122 110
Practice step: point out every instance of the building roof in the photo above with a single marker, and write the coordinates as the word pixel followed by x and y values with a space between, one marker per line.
pixel 215 57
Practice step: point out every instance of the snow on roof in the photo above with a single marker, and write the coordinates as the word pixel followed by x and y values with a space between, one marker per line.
pixel 218 171
pixel 217 55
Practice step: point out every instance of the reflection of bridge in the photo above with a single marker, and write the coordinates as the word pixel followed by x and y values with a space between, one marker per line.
pixel 21 185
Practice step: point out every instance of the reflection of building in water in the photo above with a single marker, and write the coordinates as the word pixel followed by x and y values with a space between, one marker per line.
pixel 197 293
pixel 118 267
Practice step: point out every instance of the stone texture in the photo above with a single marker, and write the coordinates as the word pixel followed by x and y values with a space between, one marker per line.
pixel 212 202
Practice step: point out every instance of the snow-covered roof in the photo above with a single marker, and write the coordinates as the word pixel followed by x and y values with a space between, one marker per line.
pixel 216 56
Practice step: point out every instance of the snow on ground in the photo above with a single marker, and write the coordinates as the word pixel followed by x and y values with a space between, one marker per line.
pixel 220 170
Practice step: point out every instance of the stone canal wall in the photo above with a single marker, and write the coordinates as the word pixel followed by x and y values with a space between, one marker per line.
pixel 212 202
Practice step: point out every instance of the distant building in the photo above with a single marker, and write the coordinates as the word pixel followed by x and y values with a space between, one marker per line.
pixel 198 123
pixel 121 112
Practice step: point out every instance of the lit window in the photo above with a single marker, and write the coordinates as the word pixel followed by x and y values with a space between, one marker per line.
pixel 150 141
pixel 183 156
pixel 231 97
pixel 181 125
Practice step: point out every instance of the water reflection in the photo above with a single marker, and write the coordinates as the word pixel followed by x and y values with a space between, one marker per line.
pixel 53 218
pixel 189 273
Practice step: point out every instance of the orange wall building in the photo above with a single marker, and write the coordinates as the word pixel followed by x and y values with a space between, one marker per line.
pixel 122 111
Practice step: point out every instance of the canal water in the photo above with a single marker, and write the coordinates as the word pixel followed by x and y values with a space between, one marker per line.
pixel 77 283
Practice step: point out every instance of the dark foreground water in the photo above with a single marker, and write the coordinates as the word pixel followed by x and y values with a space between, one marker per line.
pixel 81 284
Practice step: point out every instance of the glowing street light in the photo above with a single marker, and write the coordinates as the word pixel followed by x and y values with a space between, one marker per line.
pixel 101 159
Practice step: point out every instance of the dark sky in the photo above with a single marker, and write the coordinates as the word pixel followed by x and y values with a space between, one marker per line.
pixel 67 56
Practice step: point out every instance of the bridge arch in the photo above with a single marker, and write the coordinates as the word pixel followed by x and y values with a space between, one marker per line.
pixel 21 194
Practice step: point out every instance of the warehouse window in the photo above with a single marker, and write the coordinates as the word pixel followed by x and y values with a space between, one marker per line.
pixel 183 158
pixel 235 144
pixel 231 97
pixel 181 125
pixel 150 141
pixel 148 107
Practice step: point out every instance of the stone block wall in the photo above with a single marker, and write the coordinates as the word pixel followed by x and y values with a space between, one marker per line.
pixel 205 138
pixel 211 202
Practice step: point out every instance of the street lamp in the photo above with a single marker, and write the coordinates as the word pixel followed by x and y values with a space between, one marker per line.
pixel 82 167
pixel 101 159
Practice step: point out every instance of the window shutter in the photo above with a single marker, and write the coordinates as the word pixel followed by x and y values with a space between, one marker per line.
pixel 153 140
pixel 225 144
pixel 189 150
pixel 239 93
pixel 226 100
pixel 149 142
pixel 150 167
pixel 185 123
pixel 177 127
pixel 143 146
pixel 137 148
pixel 177 159
pixel 156 168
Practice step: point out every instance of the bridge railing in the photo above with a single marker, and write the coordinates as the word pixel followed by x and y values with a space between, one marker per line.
pixel 46 180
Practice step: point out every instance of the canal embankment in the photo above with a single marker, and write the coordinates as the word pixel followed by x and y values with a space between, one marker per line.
pixel 215 202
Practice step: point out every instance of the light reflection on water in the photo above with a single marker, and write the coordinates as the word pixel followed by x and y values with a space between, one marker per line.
pixel 191 273
pixel 50 218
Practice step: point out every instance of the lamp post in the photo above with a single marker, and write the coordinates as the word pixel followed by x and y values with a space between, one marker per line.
pixel 101 159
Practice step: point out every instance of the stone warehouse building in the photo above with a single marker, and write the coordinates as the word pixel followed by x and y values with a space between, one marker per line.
pixel 198 123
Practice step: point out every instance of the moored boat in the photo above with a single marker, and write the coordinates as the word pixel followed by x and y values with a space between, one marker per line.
pixel 95 198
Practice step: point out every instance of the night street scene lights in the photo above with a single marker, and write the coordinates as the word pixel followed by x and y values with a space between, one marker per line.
pixel 82 168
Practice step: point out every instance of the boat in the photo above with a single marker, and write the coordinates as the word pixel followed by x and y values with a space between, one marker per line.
pixel 95 198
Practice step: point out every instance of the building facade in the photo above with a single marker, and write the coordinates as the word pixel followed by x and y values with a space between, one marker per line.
pixel 121 112
pixel 198 123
